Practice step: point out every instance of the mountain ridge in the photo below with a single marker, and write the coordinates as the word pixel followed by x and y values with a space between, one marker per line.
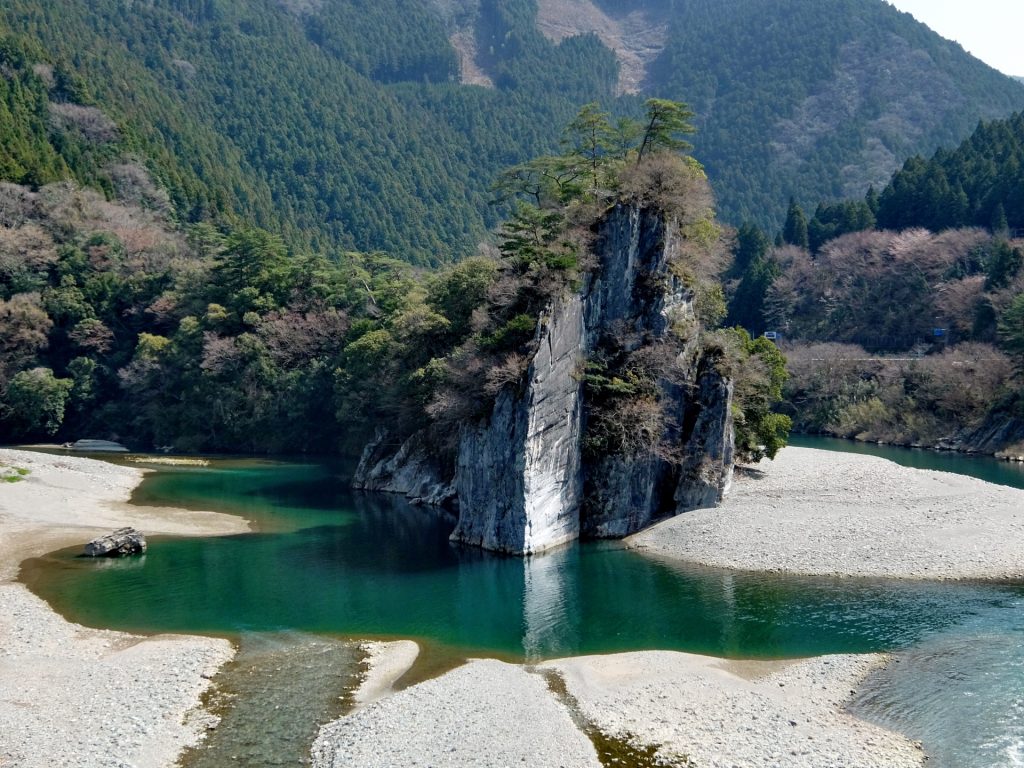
pixel 359 135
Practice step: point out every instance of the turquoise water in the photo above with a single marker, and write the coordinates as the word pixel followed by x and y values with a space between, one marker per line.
pixel 960 689
pixel 329 562
pixel 983 467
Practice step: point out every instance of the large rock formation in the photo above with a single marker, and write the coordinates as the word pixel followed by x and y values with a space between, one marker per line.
pixel 521 480
pixel 519 476
pixel 407 468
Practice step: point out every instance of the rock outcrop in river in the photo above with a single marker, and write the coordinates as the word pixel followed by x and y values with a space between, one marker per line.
pixel 527 478
pixel 121 543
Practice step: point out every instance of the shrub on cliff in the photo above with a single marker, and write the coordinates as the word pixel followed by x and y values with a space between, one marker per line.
pixel 758 371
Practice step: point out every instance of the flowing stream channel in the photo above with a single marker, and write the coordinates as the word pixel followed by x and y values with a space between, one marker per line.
pixel 325 565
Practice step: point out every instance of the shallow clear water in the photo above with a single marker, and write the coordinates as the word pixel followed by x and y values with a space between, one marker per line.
pixel 332 563
pixel 960 689
pixel 272 699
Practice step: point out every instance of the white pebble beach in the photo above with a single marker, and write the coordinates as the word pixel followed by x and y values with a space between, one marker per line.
pixel 74 696
pixel 816 512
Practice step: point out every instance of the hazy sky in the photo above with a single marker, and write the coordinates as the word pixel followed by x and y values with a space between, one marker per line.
pixel 992 30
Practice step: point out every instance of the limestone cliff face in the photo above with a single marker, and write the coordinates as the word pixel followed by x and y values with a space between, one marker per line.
pixel 624 495
pixel 633 294
pixel 406 468
pixel 519 475
pixel 635 297
pixel 521 480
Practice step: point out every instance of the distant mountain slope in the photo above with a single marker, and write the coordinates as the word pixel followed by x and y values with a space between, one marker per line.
pixel 812 98
pixel 346 124
pixel 980 183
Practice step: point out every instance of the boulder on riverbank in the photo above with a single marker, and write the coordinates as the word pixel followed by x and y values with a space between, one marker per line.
pixel 121 543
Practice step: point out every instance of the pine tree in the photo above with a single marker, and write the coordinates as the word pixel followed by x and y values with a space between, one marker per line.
pixel 794 231
pixel 590 138
pixel 1000 226
pixel 1011 329
pixel 665 120
pixel 871 198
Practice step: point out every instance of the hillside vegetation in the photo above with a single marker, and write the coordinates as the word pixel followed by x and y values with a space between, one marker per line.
pixel 902 313
pixel 343 125
pixel 117 322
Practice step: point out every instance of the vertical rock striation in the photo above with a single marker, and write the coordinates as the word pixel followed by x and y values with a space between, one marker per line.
pixel 519 475
pixel 521 479
pixel 636 297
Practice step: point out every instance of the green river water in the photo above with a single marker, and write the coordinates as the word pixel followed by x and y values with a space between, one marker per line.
pixel 326 562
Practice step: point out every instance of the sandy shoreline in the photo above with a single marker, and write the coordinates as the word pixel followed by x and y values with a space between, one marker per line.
pixel 816 512
pixel 70 695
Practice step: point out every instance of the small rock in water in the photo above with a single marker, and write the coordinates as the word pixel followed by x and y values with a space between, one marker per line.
pixel 120 543
pixel 96 446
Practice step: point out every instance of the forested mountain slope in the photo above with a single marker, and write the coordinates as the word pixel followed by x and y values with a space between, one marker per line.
pixel 980 183
pixel 903 314
pixel 346 124
pixel 118 322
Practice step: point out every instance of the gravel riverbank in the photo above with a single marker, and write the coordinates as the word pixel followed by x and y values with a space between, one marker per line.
pixel 73 696
pixel 819 512
pixel 720 714
pixel 697 711
pixel 484 714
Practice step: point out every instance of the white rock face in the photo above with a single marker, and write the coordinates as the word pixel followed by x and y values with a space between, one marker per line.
pixel 519 478
pixel 521 482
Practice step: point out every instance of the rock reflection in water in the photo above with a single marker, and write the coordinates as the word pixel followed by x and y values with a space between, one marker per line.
pixel 551 613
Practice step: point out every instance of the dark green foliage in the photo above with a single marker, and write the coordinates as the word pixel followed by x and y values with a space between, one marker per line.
pixel 118 322
pixel 664 123
pixel 836 219
pixel 1011 329
pixel 512 335
pixel 307 124
pixel 981 183
pixel 751 245
pixel 887 291
pixel 391 41
pixel 756 273
pixel 34 402
pixel 794 231
pixel 952 295
pixel 340 125
pixel 770 84
pixel 1002 264
pixel 758 370
pixel 459 290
